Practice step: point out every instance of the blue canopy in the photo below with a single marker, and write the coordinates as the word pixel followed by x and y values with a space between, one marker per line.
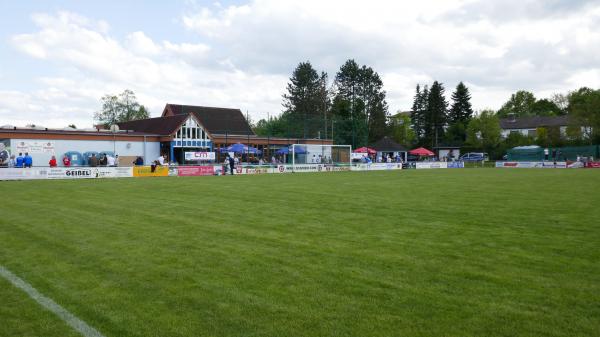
pixel 287 150
pixel 241 149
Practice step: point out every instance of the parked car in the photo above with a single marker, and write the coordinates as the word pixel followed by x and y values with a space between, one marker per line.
pixel 473 156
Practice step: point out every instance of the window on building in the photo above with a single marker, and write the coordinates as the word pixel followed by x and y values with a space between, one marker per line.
pixel 531 133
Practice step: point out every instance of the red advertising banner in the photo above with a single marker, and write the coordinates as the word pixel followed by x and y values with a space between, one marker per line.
pixel 592 164
pixel 189 171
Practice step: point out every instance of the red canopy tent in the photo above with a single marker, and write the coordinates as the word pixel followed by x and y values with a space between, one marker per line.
pixel 422 152
pixel 365 149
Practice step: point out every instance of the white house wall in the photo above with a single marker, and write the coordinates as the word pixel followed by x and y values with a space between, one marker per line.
pixel 121 148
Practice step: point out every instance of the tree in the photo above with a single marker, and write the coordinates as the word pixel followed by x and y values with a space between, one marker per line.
pixel 484 131
pixel 373 97
pixel 545 107
pixel 520 104
pixel 121 108
pixel 305 100
pixel 436 118
pixel 561 101
pixel 460 114
pixel 418 114
pixel 400 129
pixel 359 107
pixel 584 109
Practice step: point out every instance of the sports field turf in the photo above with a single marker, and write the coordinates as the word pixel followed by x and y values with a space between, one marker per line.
pixel 472 252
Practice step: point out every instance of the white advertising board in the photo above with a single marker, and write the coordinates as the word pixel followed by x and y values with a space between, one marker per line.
pixel 35 146
pixel 431 165
pixel 22 173
pixel 531 164
pixel 89 172
pixel 65 173
pixel 191 156
pixel 377 167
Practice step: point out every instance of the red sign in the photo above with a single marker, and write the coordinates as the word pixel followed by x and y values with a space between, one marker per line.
pixel 593 164
pixel 188 171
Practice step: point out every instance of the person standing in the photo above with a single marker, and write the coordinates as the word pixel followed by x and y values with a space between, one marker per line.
pixel 103 160
pixel 117 160
pixel 93 161
pixel 19 161
pixel 12 162
pixel 27 160
pixel 161 160
pixel 52 162
pixel 231 165
pixel 110 160
pixel 66 161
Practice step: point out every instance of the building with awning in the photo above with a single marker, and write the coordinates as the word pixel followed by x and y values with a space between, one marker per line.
pixel 180 129
pixel 193 128
pixel 387 146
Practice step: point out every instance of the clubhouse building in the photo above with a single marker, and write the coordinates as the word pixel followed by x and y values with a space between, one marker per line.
pixel 180 129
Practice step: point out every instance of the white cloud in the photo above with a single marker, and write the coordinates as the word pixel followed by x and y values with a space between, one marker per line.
pixel 247 52
pixel 98 63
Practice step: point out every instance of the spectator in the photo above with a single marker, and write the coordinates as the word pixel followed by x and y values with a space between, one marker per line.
pixel 66 161
pixel 103 160
pixel 3 155
pixel 11 161
pixel 232 164
pixel 19 161
pixel 110 161
pixel 139 161
pixel 27 160
pixel 273 160
pixel 52 162
pixel 117 160
pixel 160 160
pixel 93 161
pixel 261 162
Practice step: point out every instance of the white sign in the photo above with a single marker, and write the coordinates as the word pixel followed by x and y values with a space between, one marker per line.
pixel 431 164
pixel 35 146
pixel 357 156
pixel 531 164
pixel 22 173
pixel 190 156
pixel 89 172
pixel 65 173
pixel 377 167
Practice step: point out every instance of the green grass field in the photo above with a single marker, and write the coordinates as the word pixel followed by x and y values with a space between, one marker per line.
pixel 478 252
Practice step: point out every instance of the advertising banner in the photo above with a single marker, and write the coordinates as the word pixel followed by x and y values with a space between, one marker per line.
pixel 334 168
pixel 592 164
pixel 146 171
pixel 357 156
pixel 190 171
pixel 22 173
pixel 531 164
pixel 89 172
pixel 191 156
pixel 376 167
pixel 431 165
pixel 456 164
pixel 35 146
pixel 256 170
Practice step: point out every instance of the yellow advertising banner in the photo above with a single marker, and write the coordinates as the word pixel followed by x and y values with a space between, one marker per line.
pixel 146 171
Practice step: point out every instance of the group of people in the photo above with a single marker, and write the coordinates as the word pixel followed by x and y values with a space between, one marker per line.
pixel 20 161
pixel 104 160
pixel 368 159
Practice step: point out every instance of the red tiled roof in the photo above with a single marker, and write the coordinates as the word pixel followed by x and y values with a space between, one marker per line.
pixel 215 120
pixel 159 125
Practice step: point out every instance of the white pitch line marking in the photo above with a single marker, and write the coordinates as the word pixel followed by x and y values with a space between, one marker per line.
pixel 49 304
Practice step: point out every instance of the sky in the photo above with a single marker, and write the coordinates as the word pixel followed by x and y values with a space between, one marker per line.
pixel 58 58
